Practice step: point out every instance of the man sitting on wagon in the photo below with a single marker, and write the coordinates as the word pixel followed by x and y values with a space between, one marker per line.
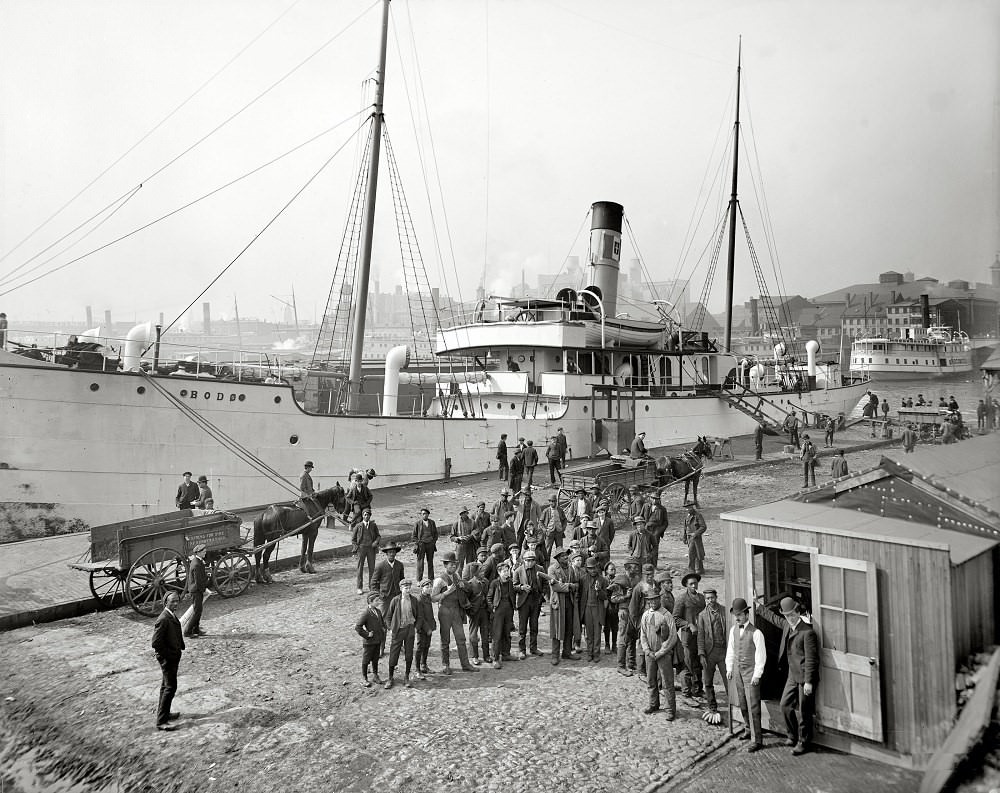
pixel 638 451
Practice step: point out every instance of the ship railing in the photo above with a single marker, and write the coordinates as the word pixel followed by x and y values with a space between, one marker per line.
pixel 104 352
pixel 510 309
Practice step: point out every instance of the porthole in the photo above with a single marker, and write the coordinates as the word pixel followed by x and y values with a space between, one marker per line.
pixel 94 386
pixel 585 409
pixel 499 406
pixel 646 408
pixel 184 392
pixel 520 359
pixel 294 439
pixel 141 389
pixel 242 397
pixel 513 406
pixel 277 400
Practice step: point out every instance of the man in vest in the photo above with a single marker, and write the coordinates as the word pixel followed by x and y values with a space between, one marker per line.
pixel 745 659
pixel 657 637
pixel 448 589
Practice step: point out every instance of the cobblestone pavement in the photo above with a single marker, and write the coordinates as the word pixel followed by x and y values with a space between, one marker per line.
pixel 775 770
pixel 271 700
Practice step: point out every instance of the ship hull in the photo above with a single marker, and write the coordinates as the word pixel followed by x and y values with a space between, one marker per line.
pixel 79 448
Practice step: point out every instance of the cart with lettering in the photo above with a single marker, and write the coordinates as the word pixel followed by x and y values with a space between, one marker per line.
pixel 140 561
pixel 614 478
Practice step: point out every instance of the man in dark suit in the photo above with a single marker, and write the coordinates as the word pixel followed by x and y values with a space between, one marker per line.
pixel 712 630
pixel 528 583
pixel 187 492
pixel 502 463
pixel 385 580
pixel 197 583
pixel 425 535
pixel 401 619
pixel 503 599
pixel 799 654
pixel 370 626
pixel 168 644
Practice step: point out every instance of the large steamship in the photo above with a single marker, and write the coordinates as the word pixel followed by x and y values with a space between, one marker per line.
pixel 88 436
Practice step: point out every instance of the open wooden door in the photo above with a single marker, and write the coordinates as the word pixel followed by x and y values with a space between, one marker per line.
pixel 845 604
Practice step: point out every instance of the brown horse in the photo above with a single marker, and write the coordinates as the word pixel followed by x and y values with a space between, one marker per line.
pixel 687 467
pixel 277 520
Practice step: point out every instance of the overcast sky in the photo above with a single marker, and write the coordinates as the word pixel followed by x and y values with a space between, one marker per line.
pixel 873 125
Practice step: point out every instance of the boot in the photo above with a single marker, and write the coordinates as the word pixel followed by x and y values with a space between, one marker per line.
pixel 378 681
pixel 445 661
pixel 555 652
pixel 463 657
pixel 406 682
pixel 390 682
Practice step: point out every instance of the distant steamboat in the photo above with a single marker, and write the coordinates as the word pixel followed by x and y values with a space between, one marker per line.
pixel 938 352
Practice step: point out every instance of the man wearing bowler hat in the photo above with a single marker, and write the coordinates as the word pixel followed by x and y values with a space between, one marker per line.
pixel 306 488
pixel 745 659
pixel 799 654
pixel 687 606
pixel 448 590
pixel 197 583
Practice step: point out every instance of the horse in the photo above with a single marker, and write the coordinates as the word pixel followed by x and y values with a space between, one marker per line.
pixel 277 520
pixel 687 467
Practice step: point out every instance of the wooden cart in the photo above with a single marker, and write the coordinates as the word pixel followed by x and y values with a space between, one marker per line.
pixel 141 560
pixel 614 477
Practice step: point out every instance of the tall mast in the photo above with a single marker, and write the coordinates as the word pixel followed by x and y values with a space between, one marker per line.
pixel 368 229
pixel 733 205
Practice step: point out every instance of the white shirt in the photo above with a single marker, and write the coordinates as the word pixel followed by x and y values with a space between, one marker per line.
pixel 759 654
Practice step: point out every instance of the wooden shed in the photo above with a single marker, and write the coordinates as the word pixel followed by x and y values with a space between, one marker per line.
pixel 898 602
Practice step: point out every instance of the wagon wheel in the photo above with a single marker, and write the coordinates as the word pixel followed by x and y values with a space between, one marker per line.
pixel 618 502
pixel 565 496
pixel 154 574
pixel 231 574
pixel 107 586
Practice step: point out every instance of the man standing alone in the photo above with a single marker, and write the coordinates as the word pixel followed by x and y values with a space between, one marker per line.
pixel 758 441
pixel 530 461
pixel 168 644
pixel 502 464
pixel 808 461
pixel 425 535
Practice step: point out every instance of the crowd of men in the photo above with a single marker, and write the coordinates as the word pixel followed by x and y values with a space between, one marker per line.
pixel 513 558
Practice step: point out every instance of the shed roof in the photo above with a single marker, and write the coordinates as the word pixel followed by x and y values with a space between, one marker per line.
pixel 970 469
pixel 831 520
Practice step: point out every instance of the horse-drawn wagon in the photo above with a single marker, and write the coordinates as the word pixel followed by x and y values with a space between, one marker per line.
pixel 616 477
pixel 141 560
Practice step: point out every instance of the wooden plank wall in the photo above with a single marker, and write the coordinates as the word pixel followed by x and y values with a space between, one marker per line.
pixel 972 597
pixel 916 642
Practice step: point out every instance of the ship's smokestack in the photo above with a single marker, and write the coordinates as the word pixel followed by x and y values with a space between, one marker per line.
pixel 605 251
pixel 925 311
pixel 206 313
pixel 90 317
pixel 754 318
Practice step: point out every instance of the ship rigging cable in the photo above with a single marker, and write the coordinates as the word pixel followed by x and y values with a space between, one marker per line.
pixel 194 145
pixel 224 439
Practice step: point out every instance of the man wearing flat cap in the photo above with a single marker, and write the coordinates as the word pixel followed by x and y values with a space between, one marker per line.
pixel 503 602
pixel 712 630
pixel 553 524
pixel 745 658
pixel 657 637
pixel 687 606
pixel 694 530
pixel 799 655
pixel 449 592
pixel 461 536
pixel 580 505
pixel 480 523
pixel 646 586
pixel 401 621
pixel 529 583
pixel 187 492
pixel 605 525
pixel 593 602
pixel 425 535
pixel 621 596
pixel 197 583
pixel 526 510
pixel 641 542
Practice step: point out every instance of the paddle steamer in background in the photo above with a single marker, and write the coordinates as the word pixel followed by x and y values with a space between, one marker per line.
pixel 915 351
pixel 100 430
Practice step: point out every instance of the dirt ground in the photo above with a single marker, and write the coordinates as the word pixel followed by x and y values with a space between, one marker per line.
pixel 271 701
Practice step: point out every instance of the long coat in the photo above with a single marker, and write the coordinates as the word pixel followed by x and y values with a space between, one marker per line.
pixel 563 603
pixel 694 528
pixel 168 638
pixel 385 580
